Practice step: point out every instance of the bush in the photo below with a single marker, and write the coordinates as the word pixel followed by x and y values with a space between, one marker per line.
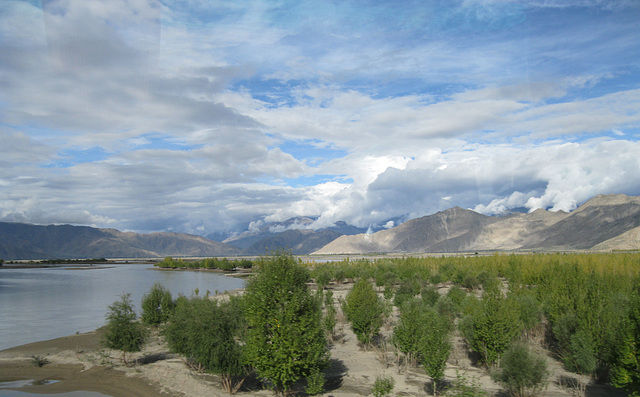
pixel 315 384
pixel 204 332
pixel 364 310
pixel 285 336
pixel 626 371
pixel 323 277
pixel 383 386
pixel 430 295
pixel 522 373
pixel 122 332
pixel 490 329
pixel 157 305
pixel 461 387
pixel 407 290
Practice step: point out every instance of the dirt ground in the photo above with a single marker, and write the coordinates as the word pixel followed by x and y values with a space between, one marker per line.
pixel 78 362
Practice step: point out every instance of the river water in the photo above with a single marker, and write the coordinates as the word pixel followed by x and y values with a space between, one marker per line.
pixel 46 303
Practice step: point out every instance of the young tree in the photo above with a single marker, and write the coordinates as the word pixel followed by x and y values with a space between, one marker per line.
pixel 434 345
pixel 364 309
pixel 423 332
pixel 285 336
pixel 157 305
pixel 204 331
pixel 522 373
pixel 122 332
pixel 626 370
pixel 491 328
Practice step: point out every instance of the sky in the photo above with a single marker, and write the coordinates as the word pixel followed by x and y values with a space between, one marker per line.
pixel 211 116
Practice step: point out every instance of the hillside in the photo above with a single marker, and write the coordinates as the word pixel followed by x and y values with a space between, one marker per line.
pixel 24 241
pixel 606 222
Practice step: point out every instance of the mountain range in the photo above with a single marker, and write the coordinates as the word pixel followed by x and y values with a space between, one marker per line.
pixel 606 222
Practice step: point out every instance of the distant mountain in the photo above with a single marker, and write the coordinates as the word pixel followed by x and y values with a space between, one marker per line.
pixel 605 222
pixel 299 241
pixel 292 234
pixel 25 241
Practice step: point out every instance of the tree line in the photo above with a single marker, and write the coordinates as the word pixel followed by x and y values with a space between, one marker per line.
pixel 586 305
pixel 224 264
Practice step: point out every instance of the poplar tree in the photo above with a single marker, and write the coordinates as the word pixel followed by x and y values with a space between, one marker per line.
pixel 285 336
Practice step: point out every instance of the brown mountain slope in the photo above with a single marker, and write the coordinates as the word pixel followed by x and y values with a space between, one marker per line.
pixel 515 231
pixel 604 222
pixel 600 219
pixel 446 231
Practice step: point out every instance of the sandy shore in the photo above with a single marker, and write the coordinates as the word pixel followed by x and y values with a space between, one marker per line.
pixel 73 364
pixel 79 363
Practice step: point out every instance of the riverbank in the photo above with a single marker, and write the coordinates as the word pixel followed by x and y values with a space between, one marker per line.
pixel 73 363
pixel 79 363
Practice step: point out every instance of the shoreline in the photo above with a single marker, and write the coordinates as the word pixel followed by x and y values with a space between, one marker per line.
pixel 79 363
pixel 73 365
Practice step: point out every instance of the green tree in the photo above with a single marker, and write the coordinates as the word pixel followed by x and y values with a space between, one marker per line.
pixel 434 345
pixel 157 305
pixel 205 332
pixel 406 332
pixel 423 332
pixel 364 309
pixel 491 328
pixel 329 319
pixel 285 336
pixel 626 370
pixel 122 332
pixel 522 373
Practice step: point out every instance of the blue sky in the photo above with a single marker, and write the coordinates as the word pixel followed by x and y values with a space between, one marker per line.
pixel 204 116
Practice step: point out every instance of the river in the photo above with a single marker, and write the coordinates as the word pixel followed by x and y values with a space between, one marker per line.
pixel 45 303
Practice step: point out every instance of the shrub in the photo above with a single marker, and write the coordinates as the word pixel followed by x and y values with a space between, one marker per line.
pixel 364 310
pixel 522 373
pixel 490 329
pixel 285 337
pixel 383 386
pixel 407 290
pixel 430 295
pixel 157 305
pixel 315 384
pixel 530 310
pixel 323 277
pixel 122 332
pixel 461 387
pixel 626 371
pixel 39 361
pixel 226 265
pixel 204 331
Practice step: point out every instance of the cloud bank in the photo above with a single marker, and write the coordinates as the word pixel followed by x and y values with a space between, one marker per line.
pixel 155 116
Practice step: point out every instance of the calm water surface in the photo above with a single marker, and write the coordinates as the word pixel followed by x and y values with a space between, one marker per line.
pixel 47 303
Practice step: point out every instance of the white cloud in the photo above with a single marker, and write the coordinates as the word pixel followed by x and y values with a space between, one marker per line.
pixel 436 106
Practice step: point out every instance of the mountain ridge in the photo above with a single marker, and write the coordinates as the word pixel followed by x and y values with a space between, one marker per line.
pixel 31 242
pixel 603 222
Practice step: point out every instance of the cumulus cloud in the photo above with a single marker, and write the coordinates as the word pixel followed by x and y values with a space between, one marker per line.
pixel 144 115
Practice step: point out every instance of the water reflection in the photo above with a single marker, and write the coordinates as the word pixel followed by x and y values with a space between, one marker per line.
pixel 41 304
